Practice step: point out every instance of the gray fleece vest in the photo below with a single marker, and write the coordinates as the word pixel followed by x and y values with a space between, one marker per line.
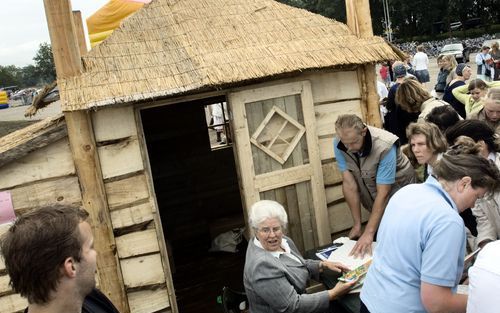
pixel 377 144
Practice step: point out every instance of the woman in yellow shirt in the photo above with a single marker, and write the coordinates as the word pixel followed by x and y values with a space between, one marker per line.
pixel 472 95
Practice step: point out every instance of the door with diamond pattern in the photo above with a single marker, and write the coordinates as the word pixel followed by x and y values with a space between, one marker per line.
pixel 276 149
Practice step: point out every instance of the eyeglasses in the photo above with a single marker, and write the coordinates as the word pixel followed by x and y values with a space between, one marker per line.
pixel 267 230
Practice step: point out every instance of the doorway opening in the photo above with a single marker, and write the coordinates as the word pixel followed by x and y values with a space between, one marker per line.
pixel 198 198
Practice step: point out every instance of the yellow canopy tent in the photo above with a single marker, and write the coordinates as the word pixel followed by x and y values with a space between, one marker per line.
pixel 104 21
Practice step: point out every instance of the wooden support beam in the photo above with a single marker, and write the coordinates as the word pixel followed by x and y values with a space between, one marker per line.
pixel 80 32
pixel 81 136
pixel 360 23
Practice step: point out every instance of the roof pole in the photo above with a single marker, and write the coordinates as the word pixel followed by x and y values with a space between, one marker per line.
pixel 360 22
pixel 66 52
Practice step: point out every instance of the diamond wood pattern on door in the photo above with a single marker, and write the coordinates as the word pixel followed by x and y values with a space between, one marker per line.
pixel 278 134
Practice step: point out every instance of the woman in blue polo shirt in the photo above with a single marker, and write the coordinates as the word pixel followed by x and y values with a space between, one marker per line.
pixel 421 240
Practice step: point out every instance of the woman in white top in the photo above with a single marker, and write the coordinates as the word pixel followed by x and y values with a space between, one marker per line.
pixel 484 281
pixel 484 61
pixel 421 65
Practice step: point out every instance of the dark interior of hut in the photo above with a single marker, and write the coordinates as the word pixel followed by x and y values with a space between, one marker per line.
pixel 198 197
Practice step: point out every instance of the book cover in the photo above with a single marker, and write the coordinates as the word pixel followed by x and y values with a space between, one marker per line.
pixel 325 253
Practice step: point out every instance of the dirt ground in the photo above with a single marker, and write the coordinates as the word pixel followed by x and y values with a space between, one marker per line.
pixel 12 118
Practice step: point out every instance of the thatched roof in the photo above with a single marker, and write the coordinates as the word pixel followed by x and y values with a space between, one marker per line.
pixel 21 142
pixel 171 47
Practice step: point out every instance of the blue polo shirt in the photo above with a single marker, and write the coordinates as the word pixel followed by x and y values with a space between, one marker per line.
pixel 386 171
pixel 421 238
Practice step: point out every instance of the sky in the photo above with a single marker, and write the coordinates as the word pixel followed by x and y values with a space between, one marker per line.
pixel 23 27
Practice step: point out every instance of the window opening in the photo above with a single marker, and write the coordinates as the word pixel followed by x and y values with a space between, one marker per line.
pixel 219 131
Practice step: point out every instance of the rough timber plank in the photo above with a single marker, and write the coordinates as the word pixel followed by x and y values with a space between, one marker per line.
pixel 146 301
pixel 334 193
pixel 126 191
pixel 327 114
pixel 51 161
pixel 143 271
pixel 326 148
pixel 137 243
pixel 4 285
pixel 105 123
pixel 331 173
pixel 130 216
pixel 120 158
pixel 13 303
pixel 334 86
pixel 340 217
pixel 19 144
pixel 64 190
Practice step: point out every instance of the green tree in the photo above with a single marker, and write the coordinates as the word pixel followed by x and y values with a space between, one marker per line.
pixel 28 76
pixel 8 76
pixel 44 64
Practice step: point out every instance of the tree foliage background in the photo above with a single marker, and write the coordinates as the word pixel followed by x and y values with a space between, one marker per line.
pixel 411 17
pixel 41 73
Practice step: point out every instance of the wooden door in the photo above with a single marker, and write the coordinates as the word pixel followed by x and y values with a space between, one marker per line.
pixel 277 156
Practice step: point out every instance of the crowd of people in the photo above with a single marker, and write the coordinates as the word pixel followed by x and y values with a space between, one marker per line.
pixel 431 181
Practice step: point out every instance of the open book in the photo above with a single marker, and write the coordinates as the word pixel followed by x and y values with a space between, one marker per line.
pixel 358 266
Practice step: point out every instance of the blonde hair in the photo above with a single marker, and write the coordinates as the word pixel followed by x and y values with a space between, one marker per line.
pixel 435 140
pixel 493 96
pixel 410 95
pixel 466 145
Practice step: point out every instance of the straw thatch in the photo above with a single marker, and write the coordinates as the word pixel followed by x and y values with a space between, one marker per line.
pixel 21 142
pixel 171 47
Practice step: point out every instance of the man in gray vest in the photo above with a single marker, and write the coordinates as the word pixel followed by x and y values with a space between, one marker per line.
pixel 373 168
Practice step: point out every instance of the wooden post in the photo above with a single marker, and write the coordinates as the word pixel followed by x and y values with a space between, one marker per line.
pixel 82 142
pixel 80 32
pixel 360 23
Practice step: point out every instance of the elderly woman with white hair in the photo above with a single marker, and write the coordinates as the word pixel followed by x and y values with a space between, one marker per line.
pixel 275 274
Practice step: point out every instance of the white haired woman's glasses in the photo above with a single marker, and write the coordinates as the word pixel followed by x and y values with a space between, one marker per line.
pixel 267 230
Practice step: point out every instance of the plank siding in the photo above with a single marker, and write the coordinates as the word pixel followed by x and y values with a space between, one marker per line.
pixel 13 303
pixel 63 190
pixel 147 301
pixel 133 215
pixel 106 123
pixel 120 158
pixel 126 191
pixel 50 161
pixel 143 271
pixel 334 86
pixel 137 243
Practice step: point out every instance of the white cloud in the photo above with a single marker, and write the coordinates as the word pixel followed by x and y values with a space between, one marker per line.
pixel 24 28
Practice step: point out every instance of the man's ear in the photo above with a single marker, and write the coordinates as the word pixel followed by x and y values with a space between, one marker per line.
pixel 69 267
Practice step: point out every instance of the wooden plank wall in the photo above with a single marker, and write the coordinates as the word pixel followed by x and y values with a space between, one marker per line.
pixel 43 177
pixel 334 93
pixel 133 212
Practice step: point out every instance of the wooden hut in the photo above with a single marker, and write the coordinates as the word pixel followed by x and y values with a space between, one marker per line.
pixel 133 146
